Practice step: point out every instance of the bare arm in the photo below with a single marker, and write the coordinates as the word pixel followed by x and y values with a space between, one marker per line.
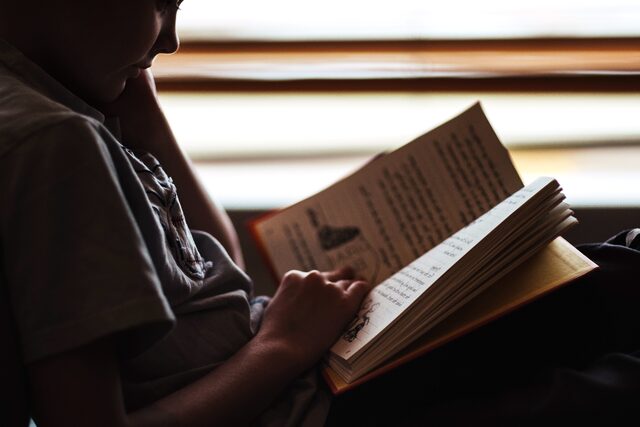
pixel 145 127
pixel 304 318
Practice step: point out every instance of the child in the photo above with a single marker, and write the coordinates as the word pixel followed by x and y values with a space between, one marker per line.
pixel 123 315
pixel 120 315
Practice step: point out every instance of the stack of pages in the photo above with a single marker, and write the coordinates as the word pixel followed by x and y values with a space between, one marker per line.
pixel 447 231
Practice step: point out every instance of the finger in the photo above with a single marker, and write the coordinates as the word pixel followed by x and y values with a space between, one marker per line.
pixel 344 284
pixel 358 289
pixel 344 273
pixel 292 275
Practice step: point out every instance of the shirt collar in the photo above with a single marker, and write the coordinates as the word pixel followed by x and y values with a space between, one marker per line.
pixel 35 77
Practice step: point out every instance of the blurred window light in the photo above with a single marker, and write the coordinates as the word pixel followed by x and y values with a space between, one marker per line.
pixel 406 19
pixel 268 148
pixel 262 151
pixel 232 126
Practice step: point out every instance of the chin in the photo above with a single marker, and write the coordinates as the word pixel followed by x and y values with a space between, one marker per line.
pixel 108 93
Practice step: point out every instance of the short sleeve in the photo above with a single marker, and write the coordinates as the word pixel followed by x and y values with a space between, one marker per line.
pixel 75 264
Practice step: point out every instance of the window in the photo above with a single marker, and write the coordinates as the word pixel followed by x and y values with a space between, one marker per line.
pixel 294 20
pixel 265 91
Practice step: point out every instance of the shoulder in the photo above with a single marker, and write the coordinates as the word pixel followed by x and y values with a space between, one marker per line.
pixel 27 115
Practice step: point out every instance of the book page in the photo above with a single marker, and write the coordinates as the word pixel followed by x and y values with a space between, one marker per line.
pixel 397 207
pixel 387 301
pixel 552 267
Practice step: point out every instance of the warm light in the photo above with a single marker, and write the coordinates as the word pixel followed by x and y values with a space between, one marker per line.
pixel 270 150
pixel 406 19
pixel 215 125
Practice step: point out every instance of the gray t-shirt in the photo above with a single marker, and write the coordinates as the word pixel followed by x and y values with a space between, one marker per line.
pixel 94 243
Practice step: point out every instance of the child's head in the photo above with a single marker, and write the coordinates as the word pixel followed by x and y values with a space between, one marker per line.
pixel 91 46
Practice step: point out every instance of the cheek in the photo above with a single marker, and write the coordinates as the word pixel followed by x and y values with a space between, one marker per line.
pixel 94 54
pixel 133 46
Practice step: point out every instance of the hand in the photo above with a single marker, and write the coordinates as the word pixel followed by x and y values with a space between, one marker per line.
pixel 138 110
pixel 144 127
pixel 137 92
pixel 310 310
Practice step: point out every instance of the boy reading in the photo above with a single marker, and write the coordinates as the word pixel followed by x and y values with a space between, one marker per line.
pixel 123 315
pixel 115 312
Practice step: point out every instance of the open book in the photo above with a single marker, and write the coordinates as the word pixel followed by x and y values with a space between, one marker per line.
pixel 445 229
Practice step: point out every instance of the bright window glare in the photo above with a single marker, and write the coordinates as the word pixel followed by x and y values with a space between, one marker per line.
pixel 589 176
pixel 406 19
pixel 217 125
pixel 275 148
pixel 270 150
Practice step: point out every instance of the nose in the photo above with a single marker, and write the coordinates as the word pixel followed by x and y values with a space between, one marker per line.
pixel 168 41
